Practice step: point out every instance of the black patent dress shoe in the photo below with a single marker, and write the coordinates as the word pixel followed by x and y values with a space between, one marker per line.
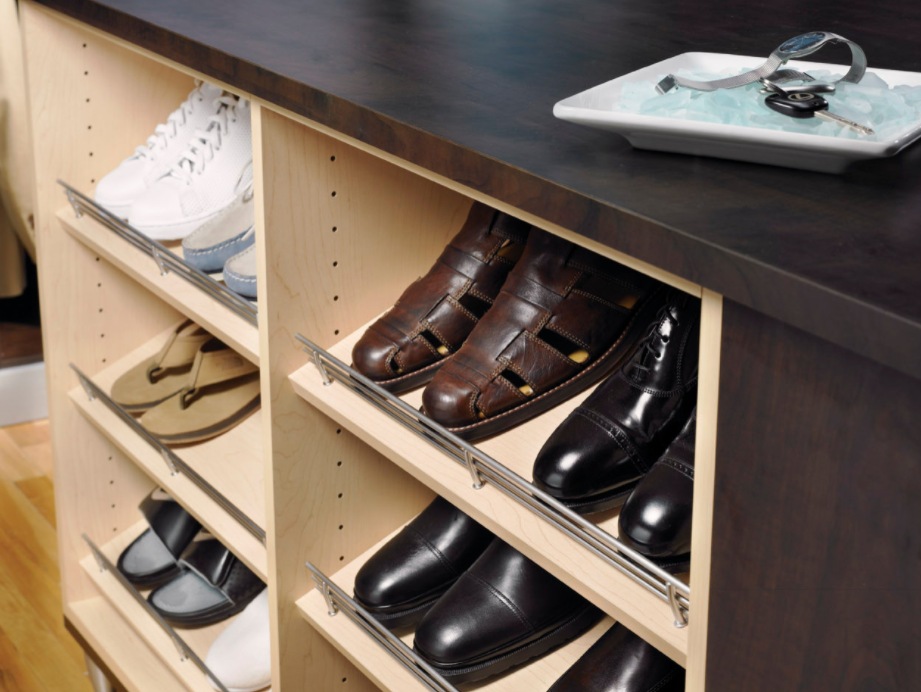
pixel 656 519
pixel 504 611
pixel 621 662
pixel 597 455
pixel 404 578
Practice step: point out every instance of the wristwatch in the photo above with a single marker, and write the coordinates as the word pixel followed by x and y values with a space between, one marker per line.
pixel 796 47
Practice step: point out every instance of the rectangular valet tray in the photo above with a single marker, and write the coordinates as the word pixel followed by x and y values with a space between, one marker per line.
pixel 597 107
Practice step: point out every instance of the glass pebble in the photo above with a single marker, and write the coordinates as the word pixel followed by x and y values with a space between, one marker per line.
pixel 889 110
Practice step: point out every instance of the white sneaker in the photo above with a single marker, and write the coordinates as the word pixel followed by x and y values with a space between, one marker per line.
pixel 211 174
pixel 241 656
pixel 118 190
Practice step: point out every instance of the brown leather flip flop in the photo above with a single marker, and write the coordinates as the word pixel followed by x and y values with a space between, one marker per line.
pixel 221 390
pixel 564 318
pixel 430 321
pixel 161 376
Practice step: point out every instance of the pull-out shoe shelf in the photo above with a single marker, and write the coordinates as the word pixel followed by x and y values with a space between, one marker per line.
pixel 164 272
pixel 487 481
pixel 332 610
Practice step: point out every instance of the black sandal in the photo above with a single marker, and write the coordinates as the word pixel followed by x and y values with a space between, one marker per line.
pixel 152 558
pixel 212 586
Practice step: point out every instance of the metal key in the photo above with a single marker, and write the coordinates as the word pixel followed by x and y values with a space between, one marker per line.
pixel 806 105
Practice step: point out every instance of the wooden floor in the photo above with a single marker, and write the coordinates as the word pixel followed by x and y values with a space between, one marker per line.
pixel 36 652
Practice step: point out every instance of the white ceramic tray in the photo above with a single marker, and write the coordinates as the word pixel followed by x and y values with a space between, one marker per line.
pixel 598 107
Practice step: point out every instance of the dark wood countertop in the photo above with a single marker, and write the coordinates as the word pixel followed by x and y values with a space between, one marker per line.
pixel 466 89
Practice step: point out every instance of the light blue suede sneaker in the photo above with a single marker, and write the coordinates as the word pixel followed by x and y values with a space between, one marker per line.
pixel 219 239
pixel 240 273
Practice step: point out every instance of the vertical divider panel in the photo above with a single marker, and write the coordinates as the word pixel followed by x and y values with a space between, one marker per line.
pixel 704 480
pixel 342 234
pixel 90 104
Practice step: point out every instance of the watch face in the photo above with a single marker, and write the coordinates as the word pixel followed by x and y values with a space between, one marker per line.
pixel 801 45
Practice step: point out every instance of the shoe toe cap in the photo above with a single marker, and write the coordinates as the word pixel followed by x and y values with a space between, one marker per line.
pixel 467 623
pixel 402 571
pixel 580 460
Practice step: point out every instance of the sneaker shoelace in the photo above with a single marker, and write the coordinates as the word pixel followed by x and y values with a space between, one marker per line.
pixel 164 132
pixel 205 143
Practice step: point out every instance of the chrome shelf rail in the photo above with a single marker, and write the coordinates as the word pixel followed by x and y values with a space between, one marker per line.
pixel 174 463
pixel 338 601
pixel 166 260
pixel 185 651
pixel 484 469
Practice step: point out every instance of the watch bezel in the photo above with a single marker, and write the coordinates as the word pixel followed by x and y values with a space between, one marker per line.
pixel 822 37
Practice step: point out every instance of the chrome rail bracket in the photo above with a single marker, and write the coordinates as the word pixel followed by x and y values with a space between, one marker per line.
pixel 323 587
pixel 321 366
pixel 331 608
pixel 169 460
pixel 678 612
pixel 101 561
pixel 74 203
pixel 161 265
pixel 470 463
pixel 87 387
pixel 402 654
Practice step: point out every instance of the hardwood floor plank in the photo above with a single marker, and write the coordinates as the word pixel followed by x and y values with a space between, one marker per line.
pixel 14 466
pixel 39 491
pixel 34 442
pixel 28 434
pixel 29 571
pixel 36 644
pixel 36 651
pixel 27 540
pixel 15 674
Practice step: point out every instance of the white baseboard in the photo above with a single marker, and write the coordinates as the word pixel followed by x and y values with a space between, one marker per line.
pixel 23 396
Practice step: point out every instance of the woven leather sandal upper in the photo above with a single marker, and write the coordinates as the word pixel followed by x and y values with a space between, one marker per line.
pixel 433 317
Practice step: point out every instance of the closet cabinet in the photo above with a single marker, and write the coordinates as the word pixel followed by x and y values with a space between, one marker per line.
pixel 318 473
pixel 330 468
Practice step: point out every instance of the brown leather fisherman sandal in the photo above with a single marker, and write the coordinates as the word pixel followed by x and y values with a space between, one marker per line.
pixel 563 319
pixel 430 321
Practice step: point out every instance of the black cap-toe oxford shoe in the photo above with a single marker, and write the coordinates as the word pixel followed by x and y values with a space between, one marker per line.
pixel 596 456
pixel 656 519
pixel 402 580
pixel 621 662
pixel 504 611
